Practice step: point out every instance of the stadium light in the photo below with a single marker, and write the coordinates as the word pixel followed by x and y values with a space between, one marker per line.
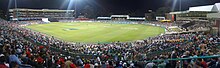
pixel 70 3
pixel 75 6
pixel 175 3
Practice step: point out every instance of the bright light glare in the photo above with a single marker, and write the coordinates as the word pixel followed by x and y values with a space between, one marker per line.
pixel 70 4
pixel 174 5
pixel 9 4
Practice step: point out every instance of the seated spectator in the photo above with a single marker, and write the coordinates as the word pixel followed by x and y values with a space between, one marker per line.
pixel 2 61
pixel 13 58
pixel 14 65
pixel 69 64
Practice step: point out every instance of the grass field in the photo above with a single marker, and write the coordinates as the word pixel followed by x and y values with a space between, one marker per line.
pixel 97 32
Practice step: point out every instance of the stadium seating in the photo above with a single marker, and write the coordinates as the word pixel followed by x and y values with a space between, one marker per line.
pixel 187 25
pixel 21 47
pixel 53 20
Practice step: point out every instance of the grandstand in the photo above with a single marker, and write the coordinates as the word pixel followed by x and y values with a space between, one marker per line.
pixel 37 14
pixel 122 18
pixel 197 12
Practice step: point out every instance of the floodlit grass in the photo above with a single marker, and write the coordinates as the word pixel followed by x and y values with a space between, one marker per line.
pixel 97 32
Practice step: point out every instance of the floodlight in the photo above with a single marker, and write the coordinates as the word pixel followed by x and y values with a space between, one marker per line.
pixel 175 3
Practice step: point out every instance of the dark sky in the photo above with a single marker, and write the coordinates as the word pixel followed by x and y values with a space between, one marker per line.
pixel 139 7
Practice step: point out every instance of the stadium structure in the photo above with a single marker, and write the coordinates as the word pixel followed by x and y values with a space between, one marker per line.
pixel 200 13
pixel 122 17
pixel 39 14
pixel 197 12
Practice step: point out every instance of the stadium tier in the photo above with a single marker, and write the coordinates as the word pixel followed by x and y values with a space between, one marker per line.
pixel 122 18
pixel 37 14
pixel 198 12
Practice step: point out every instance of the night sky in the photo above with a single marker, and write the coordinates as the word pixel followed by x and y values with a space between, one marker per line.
pixel 139 7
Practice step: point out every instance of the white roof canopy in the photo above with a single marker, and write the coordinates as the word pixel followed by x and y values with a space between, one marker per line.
pixel 207 8
pixel 216 7
pixel 103 17
pixel 119 15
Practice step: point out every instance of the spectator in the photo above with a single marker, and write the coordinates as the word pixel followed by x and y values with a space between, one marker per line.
pixel 14 58
pixel 2 61
pixel 20 43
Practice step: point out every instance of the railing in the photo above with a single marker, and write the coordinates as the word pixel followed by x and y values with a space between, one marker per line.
pixel 182 59
pixel 92 56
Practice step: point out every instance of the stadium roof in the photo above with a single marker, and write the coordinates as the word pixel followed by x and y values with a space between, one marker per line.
pixel 119 15
pixel 137 18
pixel 41 10
pixel 179 12
pixel 207 8
pixel 104 18
pixel 127 17
pixel 216 7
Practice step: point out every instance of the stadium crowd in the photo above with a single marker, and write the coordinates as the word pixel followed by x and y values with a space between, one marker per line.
pixel 24 48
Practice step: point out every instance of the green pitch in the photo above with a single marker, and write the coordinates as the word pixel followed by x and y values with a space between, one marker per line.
pixel 97 32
